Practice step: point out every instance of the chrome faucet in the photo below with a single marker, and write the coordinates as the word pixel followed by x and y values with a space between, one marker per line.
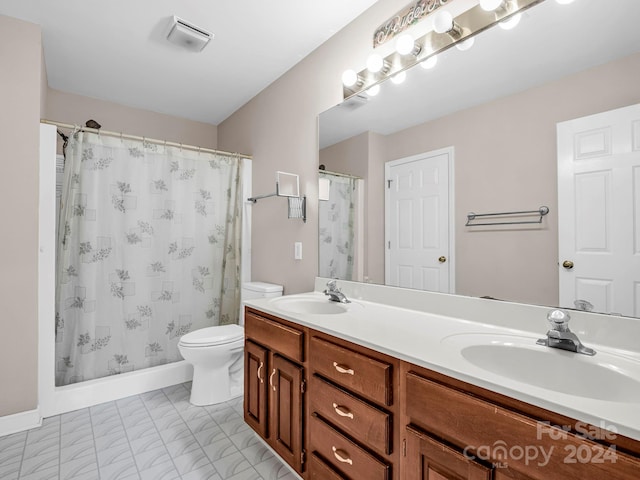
pixel 559 336
pixel 335 295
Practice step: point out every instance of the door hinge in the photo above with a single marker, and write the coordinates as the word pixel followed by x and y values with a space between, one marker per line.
pixel 389 183
pixel 303 455
pixel 404 447
pixel 303 386
pixel 389 244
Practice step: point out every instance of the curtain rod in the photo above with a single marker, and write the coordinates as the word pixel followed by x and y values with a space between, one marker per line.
pixel 144 139
pixel 329 172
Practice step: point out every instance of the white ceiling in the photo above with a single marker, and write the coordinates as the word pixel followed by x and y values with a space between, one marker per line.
pixel 551 41
pixel 116 50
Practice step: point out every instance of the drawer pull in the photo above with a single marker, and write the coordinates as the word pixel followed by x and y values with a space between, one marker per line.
pixel 271 379
pixel 343 369
pixel 341 456
pixel 260 368
pixel 342 411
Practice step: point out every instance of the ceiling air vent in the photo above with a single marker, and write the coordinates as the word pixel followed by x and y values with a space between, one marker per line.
pixel 187 35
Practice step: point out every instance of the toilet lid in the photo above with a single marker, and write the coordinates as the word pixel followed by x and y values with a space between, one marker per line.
pixel 213 336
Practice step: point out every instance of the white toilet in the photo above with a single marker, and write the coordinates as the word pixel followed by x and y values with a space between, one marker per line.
pixel 217 353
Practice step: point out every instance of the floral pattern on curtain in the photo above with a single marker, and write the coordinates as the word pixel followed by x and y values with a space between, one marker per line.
pixel 148 250
pixel 337 228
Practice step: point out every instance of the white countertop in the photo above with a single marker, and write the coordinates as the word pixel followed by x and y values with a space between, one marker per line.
pixel 419 336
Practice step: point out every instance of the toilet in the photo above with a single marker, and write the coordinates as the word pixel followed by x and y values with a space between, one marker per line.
pixel 217 353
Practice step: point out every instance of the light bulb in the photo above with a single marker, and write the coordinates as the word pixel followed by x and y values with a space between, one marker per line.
pixel 375 63
pixel 400 77
pixel 564 2
pixel 429 62
pixel 405 44
pixel 349 78
pixel 511 22
pixel 490 5
pixel 442 21
pixel 373 91
pixel 466 44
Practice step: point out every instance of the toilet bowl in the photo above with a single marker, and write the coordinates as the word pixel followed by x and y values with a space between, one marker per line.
pixel 217 355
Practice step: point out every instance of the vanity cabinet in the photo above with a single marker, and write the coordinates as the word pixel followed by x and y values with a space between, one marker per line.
pixel 275 384
pixel 460 431
pixel 364 415
pixel 351 411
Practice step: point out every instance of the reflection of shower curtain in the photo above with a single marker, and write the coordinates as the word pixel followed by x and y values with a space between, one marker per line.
pixel 337 228
pixel 148 249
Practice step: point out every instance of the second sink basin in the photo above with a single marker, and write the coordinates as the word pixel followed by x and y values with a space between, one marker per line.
pixel 602 377
pixel 309 305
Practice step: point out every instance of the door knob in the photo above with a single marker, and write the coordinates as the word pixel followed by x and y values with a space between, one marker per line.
pixel 442 259
pixel 568 264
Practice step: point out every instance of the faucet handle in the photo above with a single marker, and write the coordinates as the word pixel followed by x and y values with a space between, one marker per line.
pixel 331 284
pixel 559 320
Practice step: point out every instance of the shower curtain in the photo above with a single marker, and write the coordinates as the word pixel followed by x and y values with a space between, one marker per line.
pixel 148 250
pixel 337 228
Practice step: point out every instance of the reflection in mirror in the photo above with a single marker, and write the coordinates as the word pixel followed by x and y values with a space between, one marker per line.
pixel 287 184
pixel 340 227
pixel 496 106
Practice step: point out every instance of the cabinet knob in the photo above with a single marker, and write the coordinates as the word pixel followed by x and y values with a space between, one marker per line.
pixel 568 264
pixel 342 411
pixel 341 456
pixel 343 369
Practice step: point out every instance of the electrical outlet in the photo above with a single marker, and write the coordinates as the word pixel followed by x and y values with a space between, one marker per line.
pixel 297 250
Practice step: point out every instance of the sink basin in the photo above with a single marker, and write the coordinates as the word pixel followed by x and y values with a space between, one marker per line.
pixel 309 305
pixel 602 377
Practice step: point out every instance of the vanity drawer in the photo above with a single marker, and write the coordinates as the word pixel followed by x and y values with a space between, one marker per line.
pixel 344 455
pixel 471 422
pixel 319 470
pixel 366 423
pixel 280 338
pixel 359 373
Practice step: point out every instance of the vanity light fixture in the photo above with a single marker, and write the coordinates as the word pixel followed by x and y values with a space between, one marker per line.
pixel 466 44
pixel 491 5
pixel 512 22
pixel 373 90
pixel 399 77
pixel 443 23
pixel 349 78
pixel 447 31
pixel 375 63
pixel 406 45
pixel 429 62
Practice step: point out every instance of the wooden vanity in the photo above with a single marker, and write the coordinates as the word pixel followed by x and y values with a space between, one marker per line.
pixel 336 410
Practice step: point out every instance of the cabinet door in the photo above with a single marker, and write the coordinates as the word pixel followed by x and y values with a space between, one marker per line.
pixel 255 387
pixel 428 459
pixel 285 431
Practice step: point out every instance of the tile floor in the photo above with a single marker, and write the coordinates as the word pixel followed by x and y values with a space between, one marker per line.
pixel 158 435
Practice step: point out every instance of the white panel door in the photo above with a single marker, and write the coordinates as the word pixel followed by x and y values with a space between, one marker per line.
pixel 599 211
pixel 417 222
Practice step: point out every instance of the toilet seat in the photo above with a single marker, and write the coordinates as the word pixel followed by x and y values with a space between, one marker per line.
pixel 211 336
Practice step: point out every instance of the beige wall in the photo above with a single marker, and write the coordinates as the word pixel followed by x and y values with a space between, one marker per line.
pixel 505 159
pixel 77 109
pixel 20 85
pixel 279 128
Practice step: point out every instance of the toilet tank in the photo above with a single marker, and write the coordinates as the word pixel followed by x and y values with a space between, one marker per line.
pixel 258 290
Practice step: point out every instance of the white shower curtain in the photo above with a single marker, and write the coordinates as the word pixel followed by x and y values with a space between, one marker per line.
pixel 148 250
pixel 337 228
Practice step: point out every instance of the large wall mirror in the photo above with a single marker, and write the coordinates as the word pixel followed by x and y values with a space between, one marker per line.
pixel 490 114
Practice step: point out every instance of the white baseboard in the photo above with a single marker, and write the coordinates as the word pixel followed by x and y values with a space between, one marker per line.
pixel 19 422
